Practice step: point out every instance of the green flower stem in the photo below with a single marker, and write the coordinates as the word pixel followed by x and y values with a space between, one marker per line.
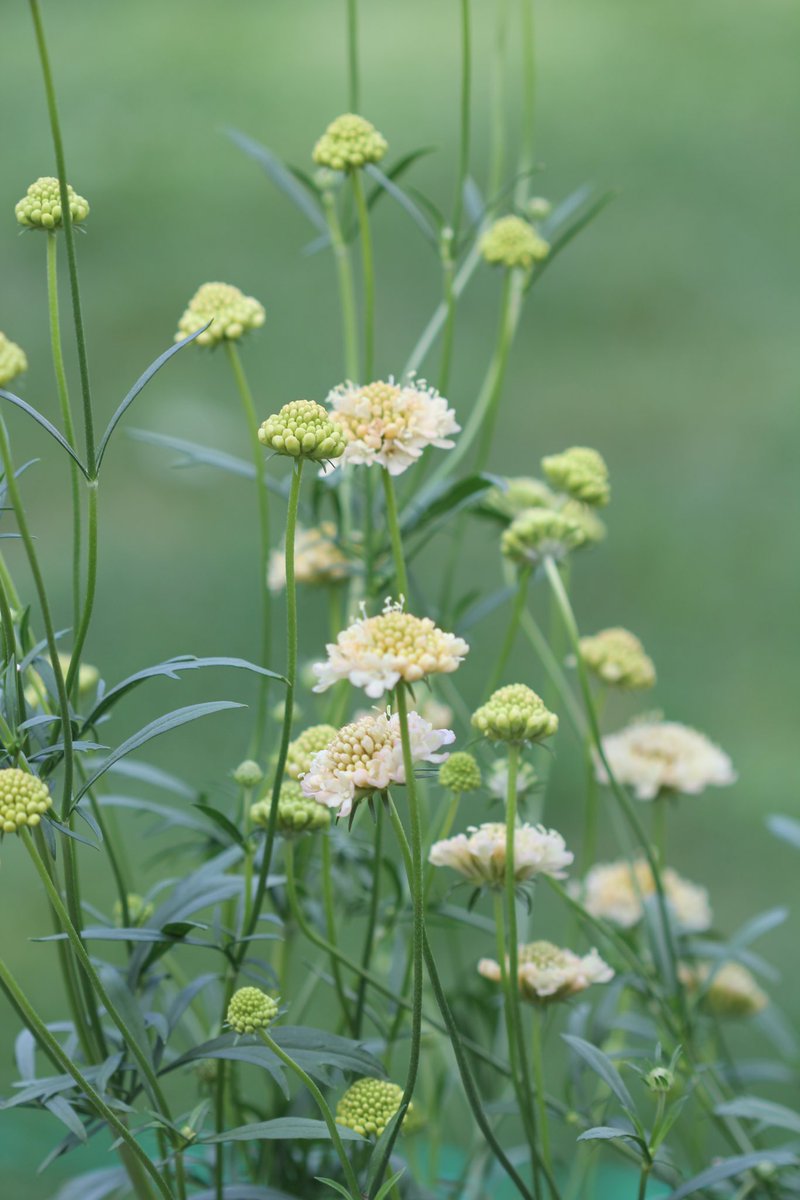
pixel 10 654
pixel 526 158
pixel 330 925
pixel 372 920
pixel 660 814
pixel 393 521
pixel 322 1105
pixel 353 90
pixel 499 107
pixel 91 588
pixel 541 647
pixel 69 236
pixel 262 493
pixel 435 325
pixel 347 293
pixel 367 274
pixel 66 417
pixel 288 709
pixel 538 1080
pixel 54 1051
pixel 511 629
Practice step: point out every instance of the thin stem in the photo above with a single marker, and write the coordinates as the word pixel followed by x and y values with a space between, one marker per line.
pixel 643 1179
pixel 659 806
pixel 330 924
pixel 497 135
pixel 353 90
pixel 262 493
pixel 347 293
pixel 526 157
pixel 368 274
pixel 395 534
pixel 538 1079
pixel 66 416
pixel 372 919
pixel 435 325
pixel 511 629
pixel 322 1105
pixel 541 647
pixel 91 587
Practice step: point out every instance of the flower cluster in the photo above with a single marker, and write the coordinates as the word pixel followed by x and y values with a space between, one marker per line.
pixel 580 472
pixel 480 855
pixel 546 973
pixel 539 533
pixel 231 313
pixel 367 757
pixel 368 1106
pixel 511 242
pixel 250 1009
pixel 515 714
pixel 618 658
pixel 317 559
pixel 348 143
pixel 40 207
pixel 616 892
pixel 375 653
pixel 303 429
pixel 391 424
pixel 12 360
pixel 23 799
pixel 297 812
pixel 301 751
pixel 652 757
pixel 460 773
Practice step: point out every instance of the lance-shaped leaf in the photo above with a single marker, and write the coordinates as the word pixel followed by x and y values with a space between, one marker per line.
pixel 280 1129
pixel 45 424
pixel 729 1168
pixel 281 176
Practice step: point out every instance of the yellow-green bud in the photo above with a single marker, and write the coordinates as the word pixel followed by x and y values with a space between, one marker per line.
pixel 303 748
pixel 539 208
pixel 581 472
pixel 368 1106
pixel 538 533
pixel 618 658
pixel 139 911
pixel 251 1009
pixel 187 1133
pixel 12 360
pixel 660 1079
pixel 512 242
pixel 460 773
pixel 297 813
pixel 40 207
pixel 23 799
pixel 303 429
pixel 518 495
pixel 231 313
pixel 348 143
pixel 515 714
pixel 592 529
pixel 248 774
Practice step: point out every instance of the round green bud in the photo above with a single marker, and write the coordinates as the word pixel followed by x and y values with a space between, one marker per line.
pixel 248 774
pixel 660 1079
pixel 251 1009
pixel 23 799
pixel 40 207
pixel 618 658
pixel 303 429
pixel 538 533
pixel 592 529
pixel 348 143
pixel 139 911
pixel 12 360
pixel 460 773
pixel 512 242
pixel 187 1133
pixel 297 813
pixel 581 472
pixel 303 748
pixel 368 1106
pixel 539 208
pixel 231 313
pixel 515 714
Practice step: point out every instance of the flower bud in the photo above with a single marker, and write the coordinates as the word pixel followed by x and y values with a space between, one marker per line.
pixel 12 360
pixel 515 714
pixel 251 1009
pixel 660 1079
pixel 348 143
pixel 368 1106
pixel 297 813
pixel 460 773
pixel 539 533
pixel 303 748
pixel 512 242
pixel 231 313
pixel 303 429
pixel 23 798
pixel 248 774
pixel 581 472
pixel 539 208
pixel 618 658
pixel 40 207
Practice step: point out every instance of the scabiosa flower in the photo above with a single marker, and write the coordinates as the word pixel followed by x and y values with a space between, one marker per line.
pixel 297 813
pixel 348 143
pixel 515 714
pixel 391 424
pixel 511 242
pixel 231 313
pixel 546 973
pixel 481 855
pixel 664 756
pixel 460 773
pixel 250 1009
pixel 317 558
pixel 732 992
pixel 375 653
pixel 580 472
pixel 303 748
pixel 615 891
pixel 303 429
pixel 367 757
pixel 618 658
pixel 40 207
pixel 538 533
pixel 368 1106
pixel 13 360
pixel 23 799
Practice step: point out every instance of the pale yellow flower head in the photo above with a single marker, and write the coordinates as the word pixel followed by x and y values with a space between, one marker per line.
pixel 231 313
pixel 23 799
pixel 732 991
pixel 317 559
pixel 652 757
pixel 348 143
pixel 480 854
pixel 615 892
pixel 250 1009
pixel 13 360
pixel 368 1106
pixel 390 424
pixel 580 472
pixel 515 714
pixel 375 653
pixel 512 242
pixel 40 207
pixel 303 429
pixel 305 746
pixel 618 658
pixel 546 973
pixel 539 533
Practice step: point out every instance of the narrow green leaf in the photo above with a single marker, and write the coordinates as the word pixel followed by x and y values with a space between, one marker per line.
pixel 280 175
pixel 406 203
pixel 223 822
pixel 63 1110
pixel 443 498
pixel 728 1168
pixel 45 424
pixel 786 828
pixel 602 1065
pixel 606 1133
pixel 752 1108
pixel 280 1129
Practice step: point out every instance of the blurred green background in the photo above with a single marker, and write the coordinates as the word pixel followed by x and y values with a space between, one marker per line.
pixel 666 336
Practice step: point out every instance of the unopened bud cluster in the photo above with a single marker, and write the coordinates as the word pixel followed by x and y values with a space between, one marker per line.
pixel 460 773
pixel 515 714
pixel 12 360
pixel 580 472
pixel 23 799
pixel 368 1106
pixel 231 313
pixel 348 143
pixel 40 207
pixel 303 429
pixel 512 242
pixel 250 1009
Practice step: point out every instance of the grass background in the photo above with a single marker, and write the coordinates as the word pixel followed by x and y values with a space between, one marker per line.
pixel 666 336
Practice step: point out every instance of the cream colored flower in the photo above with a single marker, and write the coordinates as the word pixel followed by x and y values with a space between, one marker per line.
pixel 367 757
pixel 375 653
pixel 317 558
pixel 390 424
pixel 732 992
pixel 480 855
pixel 655 756
pixel 547 973
pixel 615 892
pixel 618 658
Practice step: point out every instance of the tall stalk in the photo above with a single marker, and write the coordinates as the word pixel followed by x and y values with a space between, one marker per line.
pixel 367 275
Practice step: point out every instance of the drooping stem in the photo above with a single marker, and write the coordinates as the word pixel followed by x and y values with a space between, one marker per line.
pixel 367 275
pixel 511 628
pixel 262 493
pixel 372 919
pixel 395 535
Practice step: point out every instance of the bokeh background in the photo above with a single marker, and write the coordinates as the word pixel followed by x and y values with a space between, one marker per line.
pixel 666 336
